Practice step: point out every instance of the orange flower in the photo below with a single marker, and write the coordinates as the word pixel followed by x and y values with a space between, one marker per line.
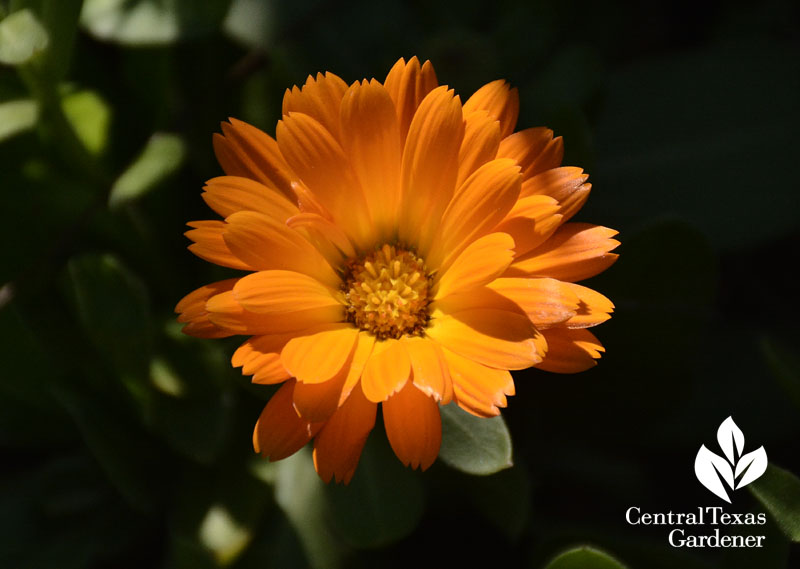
pixel 403 248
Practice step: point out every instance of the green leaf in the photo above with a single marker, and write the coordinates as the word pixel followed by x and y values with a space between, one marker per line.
pixel 584 557
pixel 151 22
pixel 113 308
pixel 473 444
pixel 162 156
pixel 300 494
pixel 249 22
pixel 17 116
pixel 382 504
pixel 779 491
pixel 90 117
pixel 22 37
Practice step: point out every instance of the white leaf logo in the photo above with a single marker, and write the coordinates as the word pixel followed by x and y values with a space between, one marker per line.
pixel 712 470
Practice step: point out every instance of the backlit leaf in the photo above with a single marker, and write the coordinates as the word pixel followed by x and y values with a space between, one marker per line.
pixel 22 37
pixel 779 491
pixel 584 557
pixel 473 444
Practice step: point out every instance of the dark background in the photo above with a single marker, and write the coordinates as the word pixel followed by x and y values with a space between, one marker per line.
pixel 122 440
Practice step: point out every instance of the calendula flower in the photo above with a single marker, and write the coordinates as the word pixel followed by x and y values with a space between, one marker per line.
pixel 402 249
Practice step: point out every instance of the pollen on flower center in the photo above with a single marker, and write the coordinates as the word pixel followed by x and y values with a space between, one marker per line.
pixel 387 292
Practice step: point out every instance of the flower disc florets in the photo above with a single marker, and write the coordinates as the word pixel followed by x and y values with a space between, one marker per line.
pixel 387 292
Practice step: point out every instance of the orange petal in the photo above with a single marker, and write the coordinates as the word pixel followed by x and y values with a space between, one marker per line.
pixel 251 153
pixel 575 252
pixel 495 338
pixel 408 84
pixel 326 236
pixel 478 206
pixel 480 144
pixel 481 262
pixel 371 138
pixel 386 371
pixel 570 351
pixel 478 389
pixel 413 426
pixel 265 244
pixel 192 309
pixel 318 401
pixel 531 222
pixel 210 246
pixel 593 307
pixel 500 101
pixel 534 149
pixel 229 194
pixel 428 367
pixel 430 165
pixel 319 98
pixel 279 291
pixel 319 354
pixel 361 355
pixel 320 162
pixel 338 445
pixel 546 301
pixel 279 431
pixel 561 184
pixel 260 356
pixel 225 311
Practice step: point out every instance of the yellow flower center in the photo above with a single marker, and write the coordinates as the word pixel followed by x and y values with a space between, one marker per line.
pixel 387 292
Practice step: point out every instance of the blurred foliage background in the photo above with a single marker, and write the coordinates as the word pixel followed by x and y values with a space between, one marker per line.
pixel 126 444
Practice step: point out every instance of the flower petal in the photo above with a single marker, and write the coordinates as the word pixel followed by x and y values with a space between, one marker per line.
pixel 478 389
pixel 546 301
pixel 566 184
pixel 320 162
pixel 319 98
pixel 429 370
pixel 386 371
pixel 319 354
pixel 480 144
pixel 408 84
pixel 481 262
pixel 362 353
pixel 265 244
pixel 192 310
pixel 279 291
pixel 260 356
pixel 371 138
pixel 593 307
pixel 413 426
pixel 570 351
pixel 229 194
pixel 534 149
pixel 338 445
pixel 495 338
pixel 210 246
pixel 575 252
pixel 478 206
pixel 430 165
pixel 225 311
pixel 248 152
pixel 500 101
pixel 318 401
pixel 531 222
pixel 326 236
pixel 279 431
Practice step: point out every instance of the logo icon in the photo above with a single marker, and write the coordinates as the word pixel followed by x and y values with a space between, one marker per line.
pixel 736 469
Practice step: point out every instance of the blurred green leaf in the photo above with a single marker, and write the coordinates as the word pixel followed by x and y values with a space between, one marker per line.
pixel 17 116
pixel 90 117
pixel 585 557
pixel 250 22
pixel 504 498
pixel 151 22
pixel 473 444
pixel 162 156
pixel 382 504
pixel 300 494
pixel 113 308
pixel 784 364
pixel 22 37
pixel 779 491
pixel 60 19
